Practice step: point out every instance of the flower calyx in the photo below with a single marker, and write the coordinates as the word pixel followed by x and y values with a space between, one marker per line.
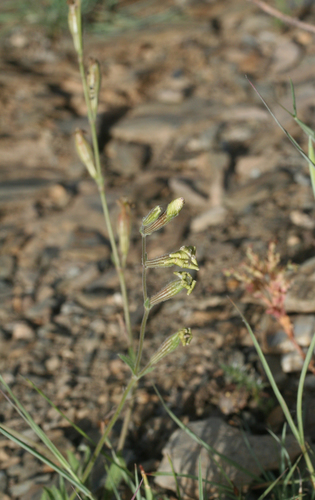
pixel 185 257
pixel 155 220
pixel 170 344
pixel 184 281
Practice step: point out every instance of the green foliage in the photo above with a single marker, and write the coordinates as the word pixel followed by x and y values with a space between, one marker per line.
pixel 244 376
pixel 104 17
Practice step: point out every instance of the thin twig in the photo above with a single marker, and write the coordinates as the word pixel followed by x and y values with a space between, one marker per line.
pixel 293 21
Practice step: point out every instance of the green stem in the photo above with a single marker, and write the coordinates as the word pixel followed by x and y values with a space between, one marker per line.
pixel 118 267
pixel 127 418
pixel 146 307
pixel 141 340
pixel 100 184
pixel 299 404
pixel 101 442
pixel 144 259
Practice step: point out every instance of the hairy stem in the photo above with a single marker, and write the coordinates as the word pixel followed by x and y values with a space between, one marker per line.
pixel 100 184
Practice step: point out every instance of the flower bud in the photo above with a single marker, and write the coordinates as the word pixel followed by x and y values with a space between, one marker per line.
pixel 170 344
pixel 85 152
pixel 185 257
pixel 94 83
pixel 152 216
pixel 124 229
pixel 170 213
pixel 74 21
pixel 173 288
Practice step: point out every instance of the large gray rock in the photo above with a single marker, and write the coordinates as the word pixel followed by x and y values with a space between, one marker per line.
pixel 184 453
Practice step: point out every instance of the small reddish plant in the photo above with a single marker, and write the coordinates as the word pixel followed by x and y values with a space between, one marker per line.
pixel 266 280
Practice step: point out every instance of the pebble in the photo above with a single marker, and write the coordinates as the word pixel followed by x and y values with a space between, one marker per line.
pixel 285 56
pixel 59 196
pixel 291 362
pixel 52 364
pixel 22 331
pixel 304 329
pixel 302 220
pixel 301 296
pixel 3 481
pixel 20 489
pixel 184 454
pixel 6 266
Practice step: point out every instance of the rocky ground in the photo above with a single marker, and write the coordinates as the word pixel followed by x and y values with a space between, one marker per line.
pixel 177 118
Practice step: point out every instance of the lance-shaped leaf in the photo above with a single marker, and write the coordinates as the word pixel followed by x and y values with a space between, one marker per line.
pixel 185 257
pixel 184 281
pixel 170 213
pixel 74 22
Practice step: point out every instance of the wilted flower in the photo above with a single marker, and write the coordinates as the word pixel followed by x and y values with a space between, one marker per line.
pixel 170 344
pixel 185 257
pixel 185 281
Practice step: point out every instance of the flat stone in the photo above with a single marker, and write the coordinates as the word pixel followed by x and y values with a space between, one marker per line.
pixel 185 452
pixel 251 167
pixel 181 187
pixel 19 489
pixel 304 329
pixel 127 158
pixel 212 217
pixel 286 55
pixel 3 481
pixel 6 266
pixel 155 122
pixel 301 297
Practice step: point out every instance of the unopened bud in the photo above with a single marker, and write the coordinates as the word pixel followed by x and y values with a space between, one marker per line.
pixel 74 22
pixel 170 213
pixel 152 216
pixel 85 152
pixel 124 229
pixel 94 83
pixel 185 281
pixel 170 344
pixel 185 257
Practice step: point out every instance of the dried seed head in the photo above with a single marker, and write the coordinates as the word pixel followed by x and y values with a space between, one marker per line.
pixel 85 152
pixel 170 213
pixel 94 83
pixel 74 22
